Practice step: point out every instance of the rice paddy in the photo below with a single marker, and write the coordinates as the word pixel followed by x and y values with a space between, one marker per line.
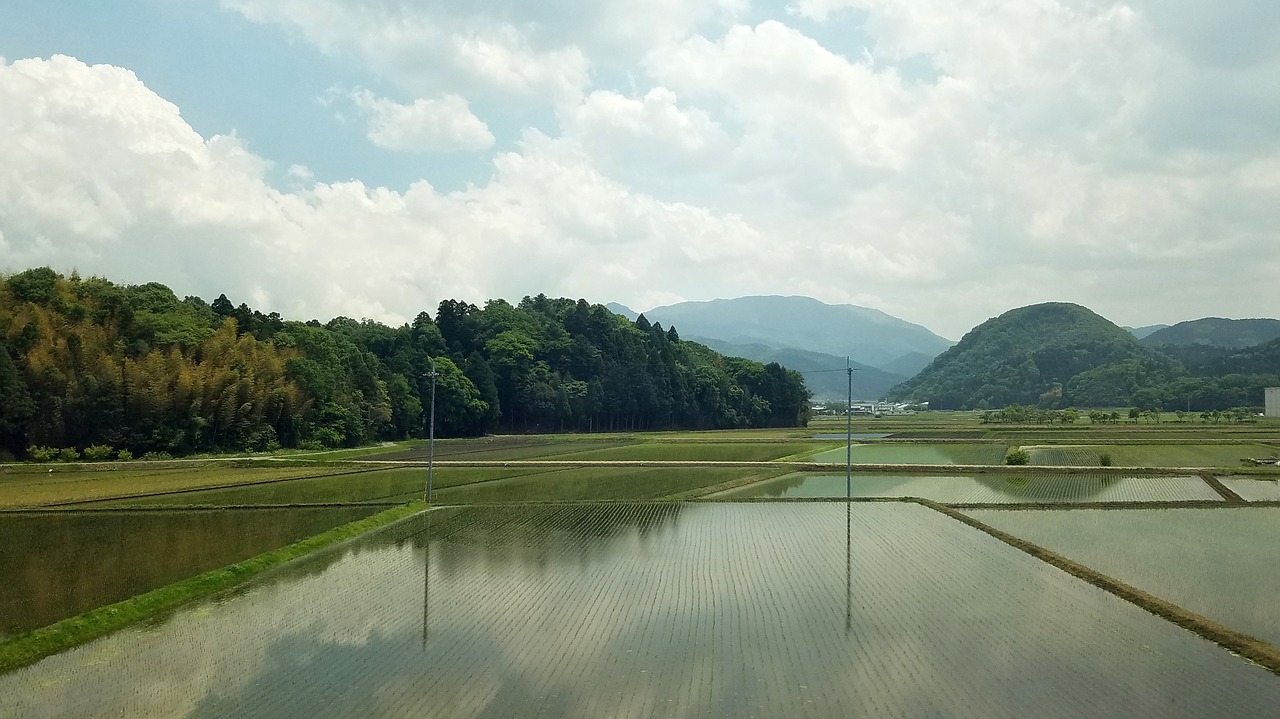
pixel 656 610
pixel 57 565
pixel 1254 489
pixel 1145 455
pixel 570 582
pixel 1214 562
pixel 986 488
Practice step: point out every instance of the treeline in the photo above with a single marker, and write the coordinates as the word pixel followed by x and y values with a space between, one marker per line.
pixel 88 363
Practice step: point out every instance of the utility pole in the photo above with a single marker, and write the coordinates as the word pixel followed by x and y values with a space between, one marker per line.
pixel 848 430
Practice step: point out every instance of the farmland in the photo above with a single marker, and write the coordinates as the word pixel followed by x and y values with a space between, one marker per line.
pixel 671 574
pixel 1185 555
pixel 1032 487
pixel 672 610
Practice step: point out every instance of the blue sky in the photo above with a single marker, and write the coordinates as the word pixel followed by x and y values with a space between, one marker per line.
pixel 943 162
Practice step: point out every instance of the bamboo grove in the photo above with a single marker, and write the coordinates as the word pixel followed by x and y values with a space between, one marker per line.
pixel 87 363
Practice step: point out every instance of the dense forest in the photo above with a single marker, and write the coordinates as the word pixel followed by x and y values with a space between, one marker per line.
pixel 1057 355
pixel 92 366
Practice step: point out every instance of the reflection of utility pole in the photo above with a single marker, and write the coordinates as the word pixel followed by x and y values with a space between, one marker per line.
pixel 848 567
pixel 426 576
pixel 431 436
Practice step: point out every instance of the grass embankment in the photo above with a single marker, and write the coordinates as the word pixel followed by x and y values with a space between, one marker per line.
pixel 1247 646
pixel 28 648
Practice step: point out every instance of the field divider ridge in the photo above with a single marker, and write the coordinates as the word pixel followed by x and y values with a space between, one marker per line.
pixel 1229 496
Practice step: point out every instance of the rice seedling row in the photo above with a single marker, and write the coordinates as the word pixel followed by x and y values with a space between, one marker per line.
pixel 657 610
pixel 1253 489
pixel 1208 561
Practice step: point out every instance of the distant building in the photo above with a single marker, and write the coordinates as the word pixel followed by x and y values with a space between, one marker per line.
pixel 1272 402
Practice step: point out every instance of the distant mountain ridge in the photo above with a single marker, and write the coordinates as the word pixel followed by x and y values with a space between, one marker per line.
pixel 1217 332
pixel 821 371
pixel 1142 332
pixel 865 335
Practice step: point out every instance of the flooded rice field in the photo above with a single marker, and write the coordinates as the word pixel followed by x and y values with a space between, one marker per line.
pixel 1253 489
pixel 656 610
pixel 1218 563
pixel 986 488
pixel 54 565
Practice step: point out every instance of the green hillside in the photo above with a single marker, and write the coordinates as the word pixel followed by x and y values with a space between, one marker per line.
pixel 1031 356
pixel 1216 332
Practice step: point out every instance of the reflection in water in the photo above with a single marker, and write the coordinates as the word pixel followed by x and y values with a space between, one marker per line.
pixel 848 567
pixel 57 565
pixel 986 488
pixel 731 611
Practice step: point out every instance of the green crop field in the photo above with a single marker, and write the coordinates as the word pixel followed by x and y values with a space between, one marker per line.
pixel 916 453
pixel 656 610
pixel 1147 455
pixel 599 483
pixel 1214 562
pixel 36 485
pixel 701 451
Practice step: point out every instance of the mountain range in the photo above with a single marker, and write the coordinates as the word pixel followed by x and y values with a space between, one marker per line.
pixel 807 335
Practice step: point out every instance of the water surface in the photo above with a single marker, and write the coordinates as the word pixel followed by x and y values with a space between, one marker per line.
pixel 770 610
pixel 54 565
pixel 985 488
pixel 1219 563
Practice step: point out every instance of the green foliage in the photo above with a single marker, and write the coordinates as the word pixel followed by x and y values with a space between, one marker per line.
pixel 124 455
pixel 156 457
pixel 98 452
pixel 68 454
pixel 41 454
pixel 1104 459
pixel 89 363
pixel 1017 456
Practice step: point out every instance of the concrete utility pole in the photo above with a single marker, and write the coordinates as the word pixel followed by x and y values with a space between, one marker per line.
pixel 848 440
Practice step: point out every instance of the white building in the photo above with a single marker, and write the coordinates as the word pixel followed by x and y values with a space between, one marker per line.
pixel 1273 402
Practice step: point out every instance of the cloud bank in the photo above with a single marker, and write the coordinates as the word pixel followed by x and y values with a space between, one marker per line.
pixel 949 163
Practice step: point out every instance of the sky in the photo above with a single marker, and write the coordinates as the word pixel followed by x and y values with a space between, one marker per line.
pixel 943 162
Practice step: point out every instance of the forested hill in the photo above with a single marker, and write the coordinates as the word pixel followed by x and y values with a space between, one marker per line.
pixel 1216 332
pixel 1030 356
pixel 86 362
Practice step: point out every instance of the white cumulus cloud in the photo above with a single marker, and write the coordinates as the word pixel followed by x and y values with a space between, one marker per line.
pixel 440 124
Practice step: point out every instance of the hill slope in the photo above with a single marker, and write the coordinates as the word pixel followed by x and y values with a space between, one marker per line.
pixel 1216 331
pixel 867 336
pixel 1029 356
